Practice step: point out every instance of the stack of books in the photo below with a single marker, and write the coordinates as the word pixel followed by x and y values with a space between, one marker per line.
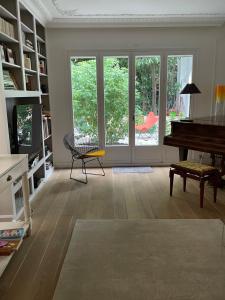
pixel 29 44
pixel 10 240
pixel 26 41
pixel 7 28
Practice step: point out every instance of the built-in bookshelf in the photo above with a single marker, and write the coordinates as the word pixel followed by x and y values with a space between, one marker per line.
pixel 24 73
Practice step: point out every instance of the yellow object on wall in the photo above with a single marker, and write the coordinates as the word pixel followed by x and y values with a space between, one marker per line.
pixel 220 93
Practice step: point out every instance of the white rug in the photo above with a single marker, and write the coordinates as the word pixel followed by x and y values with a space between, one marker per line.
pixel 144 260
pixel 132 170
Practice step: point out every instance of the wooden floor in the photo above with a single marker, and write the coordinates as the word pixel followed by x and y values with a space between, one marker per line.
pixel 34 269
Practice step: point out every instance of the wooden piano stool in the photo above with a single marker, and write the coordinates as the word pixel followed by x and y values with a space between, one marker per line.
pixel 197 171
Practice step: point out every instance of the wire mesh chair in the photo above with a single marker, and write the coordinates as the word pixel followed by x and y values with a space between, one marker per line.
pixel 85 153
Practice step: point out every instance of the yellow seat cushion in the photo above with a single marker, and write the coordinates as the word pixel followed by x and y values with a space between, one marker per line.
pixel 194 166
pixel 98 153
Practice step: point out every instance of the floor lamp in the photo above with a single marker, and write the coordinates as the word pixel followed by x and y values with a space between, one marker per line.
pixel 190 89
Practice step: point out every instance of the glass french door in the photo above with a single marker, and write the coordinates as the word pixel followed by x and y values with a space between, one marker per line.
pixel 179 73
pixel 116 98
pixel 120 103
pixel 84 100
pixel 147 98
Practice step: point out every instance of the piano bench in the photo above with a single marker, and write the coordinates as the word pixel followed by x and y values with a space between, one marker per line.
pixel 197 171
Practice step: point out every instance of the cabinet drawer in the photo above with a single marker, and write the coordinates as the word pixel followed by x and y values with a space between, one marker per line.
pixel 7 179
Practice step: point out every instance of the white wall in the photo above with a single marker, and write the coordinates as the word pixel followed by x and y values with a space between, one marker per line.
pixel 208 42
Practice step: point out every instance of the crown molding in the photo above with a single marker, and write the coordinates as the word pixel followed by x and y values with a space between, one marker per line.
pixel 110 21
pixel 72 19
pixel 38 10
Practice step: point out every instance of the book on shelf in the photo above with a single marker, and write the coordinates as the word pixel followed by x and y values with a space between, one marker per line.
pixel 27 61
pixel 7 28
pixel 10 240
pixel 7 54
pixel 29 79
pixel 10 82
pixel 9 246
pixel 2 53
pixel 41 48
pixel 14 233
pixel 23 36
pixel 44 88
pixel 46 126
pixel 42 66
pixel 10 56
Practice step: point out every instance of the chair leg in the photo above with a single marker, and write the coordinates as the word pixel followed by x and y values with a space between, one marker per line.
pixel 71 169
pixel 83 171
pixel 202 183
pixel 103 172
pixel 171 181
pixel 184 183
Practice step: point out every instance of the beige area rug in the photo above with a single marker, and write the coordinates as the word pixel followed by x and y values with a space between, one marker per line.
pixel 144 260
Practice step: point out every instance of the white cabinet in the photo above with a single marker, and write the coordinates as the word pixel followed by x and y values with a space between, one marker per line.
pixel 13 171
pixel 13 167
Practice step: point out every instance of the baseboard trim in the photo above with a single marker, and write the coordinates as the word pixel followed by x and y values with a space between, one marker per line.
pixel 65 165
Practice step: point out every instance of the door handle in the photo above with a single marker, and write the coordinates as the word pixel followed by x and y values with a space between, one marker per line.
pixel 9 178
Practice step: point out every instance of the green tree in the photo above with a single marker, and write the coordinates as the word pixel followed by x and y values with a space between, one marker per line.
pixel 173 86
pixel 85 98
pixel 84 87
pixel 147 84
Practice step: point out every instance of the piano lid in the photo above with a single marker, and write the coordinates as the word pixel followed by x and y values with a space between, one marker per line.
pixel 213 120
pixel 205 134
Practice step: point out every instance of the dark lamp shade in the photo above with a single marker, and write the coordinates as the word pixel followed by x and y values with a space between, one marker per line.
pixel 190 88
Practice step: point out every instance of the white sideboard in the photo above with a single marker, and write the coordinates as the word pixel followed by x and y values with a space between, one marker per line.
pixel 13 167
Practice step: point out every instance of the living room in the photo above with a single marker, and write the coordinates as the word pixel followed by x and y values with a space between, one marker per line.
pixel 63 65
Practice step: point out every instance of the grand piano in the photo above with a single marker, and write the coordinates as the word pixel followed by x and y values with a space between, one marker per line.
pixel 202 134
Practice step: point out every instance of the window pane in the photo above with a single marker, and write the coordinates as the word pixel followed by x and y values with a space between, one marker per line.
pixel 147 100
pixel 179 73
pixel 116 100
pixel 84 98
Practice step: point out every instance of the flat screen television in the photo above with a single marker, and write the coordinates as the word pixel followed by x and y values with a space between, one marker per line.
pixel 26 129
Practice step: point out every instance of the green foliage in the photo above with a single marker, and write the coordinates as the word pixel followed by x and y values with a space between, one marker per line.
pixel 85 98
pixel 147 83
pixel 172 85
pixel 116 100
pixel 84 87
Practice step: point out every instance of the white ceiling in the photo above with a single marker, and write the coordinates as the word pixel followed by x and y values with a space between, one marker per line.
pixel 192 12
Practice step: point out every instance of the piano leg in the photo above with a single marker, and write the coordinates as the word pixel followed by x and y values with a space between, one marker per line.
pixel 183 153
pixel 221 181
pixel 223 165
